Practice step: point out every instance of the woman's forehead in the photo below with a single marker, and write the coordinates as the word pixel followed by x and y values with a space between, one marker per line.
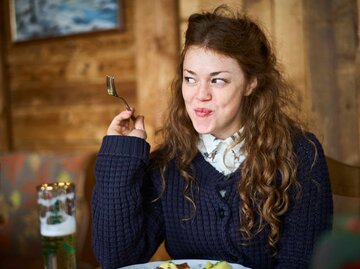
pixel 207 60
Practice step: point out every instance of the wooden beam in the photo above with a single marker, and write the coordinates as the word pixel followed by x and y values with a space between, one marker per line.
pixel 357 78
pixel 157 49
pixel 5 128
pixel 288 35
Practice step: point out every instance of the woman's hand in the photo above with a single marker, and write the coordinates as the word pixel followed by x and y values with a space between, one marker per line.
pixel 123 125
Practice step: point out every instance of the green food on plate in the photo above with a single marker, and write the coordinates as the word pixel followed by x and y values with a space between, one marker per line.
pixel 217 265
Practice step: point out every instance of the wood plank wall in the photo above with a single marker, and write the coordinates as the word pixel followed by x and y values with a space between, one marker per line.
pixel 331 28
pixel 53 90
pixel 56 87
pixel 157 49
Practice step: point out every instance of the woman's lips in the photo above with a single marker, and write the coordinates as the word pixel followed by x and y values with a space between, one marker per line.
pixel 202 112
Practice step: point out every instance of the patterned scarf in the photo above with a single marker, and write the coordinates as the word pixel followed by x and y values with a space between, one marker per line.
pixel 225 155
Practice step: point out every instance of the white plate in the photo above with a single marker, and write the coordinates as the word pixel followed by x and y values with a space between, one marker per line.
pixel 194 264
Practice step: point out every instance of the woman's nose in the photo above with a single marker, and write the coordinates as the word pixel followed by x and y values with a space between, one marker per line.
pixel 203 92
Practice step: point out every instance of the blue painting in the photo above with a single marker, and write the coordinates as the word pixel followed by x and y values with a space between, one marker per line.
pixel 34 19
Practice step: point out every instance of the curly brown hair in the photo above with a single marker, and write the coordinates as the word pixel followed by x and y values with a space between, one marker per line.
pixel 269 170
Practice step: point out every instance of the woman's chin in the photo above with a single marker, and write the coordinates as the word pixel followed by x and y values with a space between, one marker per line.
pixel 203 130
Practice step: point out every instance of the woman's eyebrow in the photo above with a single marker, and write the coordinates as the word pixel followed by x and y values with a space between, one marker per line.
pixel 211 74
pixel 189 71
pixel 217 73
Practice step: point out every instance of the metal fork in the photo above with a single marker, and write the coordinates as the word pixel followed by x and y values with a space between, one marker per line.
pixel 111 89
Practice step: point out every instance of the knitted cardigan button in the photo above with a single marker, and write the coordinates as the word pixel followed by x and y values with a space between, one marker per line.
pixel 221 213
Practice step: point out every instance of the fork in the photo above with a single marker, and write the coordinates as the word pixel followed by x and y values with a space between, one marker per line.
pixel 111 89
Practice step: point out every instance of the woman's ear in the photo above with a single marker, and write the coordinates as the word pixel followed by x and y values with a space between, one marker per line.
pixel 251 85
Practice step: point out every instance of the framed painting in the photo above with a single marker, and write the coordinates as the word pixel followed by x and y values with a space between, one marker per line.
pixel 38 19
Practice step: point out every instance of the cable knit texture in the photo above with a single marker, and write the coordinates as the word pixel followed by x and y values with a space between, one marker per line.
pixel 129 222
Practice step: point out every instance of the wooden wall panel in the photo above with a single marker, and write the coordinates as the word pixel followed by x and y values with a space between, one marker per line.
pixel 57 87
pixel 57 129
pixel 157 53
pixel 5 127
pixel 357 75
pixel 289 43
pixel 262 12
pixel 283 22
pixel 69 93
pixel 331 29
pixel 315 40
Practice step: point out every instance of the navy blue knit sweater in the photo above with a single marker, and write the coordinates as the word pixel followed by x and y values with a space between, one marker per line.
pixel 129 222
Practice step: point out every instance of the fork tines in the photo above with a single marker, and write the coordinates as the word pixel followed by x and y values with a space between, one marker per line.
pixel 110 86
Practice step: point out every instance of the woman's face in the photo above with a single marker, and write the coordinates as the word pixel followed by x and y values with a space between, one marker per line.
pixel 213 86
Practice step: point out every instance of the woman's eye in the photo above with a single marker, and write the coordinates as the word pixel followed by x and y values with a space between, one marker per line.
pixel 218 81
pixel 189 80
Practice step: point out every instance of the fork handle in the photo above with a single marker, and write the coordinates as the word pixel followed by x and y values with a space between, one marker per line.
pixel 132 115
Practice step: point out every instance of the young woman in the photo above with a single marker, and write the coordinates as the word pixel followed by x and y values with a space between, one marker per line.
pixel 236 177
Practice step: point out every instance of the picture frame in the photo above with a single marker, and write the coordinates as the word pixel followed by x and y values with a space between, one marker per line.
pixel 40 19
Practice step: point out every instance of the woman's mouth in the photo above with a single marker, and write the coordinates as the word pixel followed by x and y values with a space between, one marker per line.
pixel 202 112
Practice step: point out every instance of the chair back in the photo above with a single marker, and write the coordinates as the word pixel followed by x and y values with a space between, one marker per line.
pixel 345 184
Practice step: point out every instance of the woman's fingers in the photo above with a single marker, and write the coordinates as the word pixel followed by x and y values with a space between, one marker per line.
pixel 122 125
pixel 139 123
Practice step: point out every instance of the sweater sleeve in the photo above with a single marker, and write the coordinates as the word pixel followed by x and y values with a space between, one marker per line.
pixel 312 208
pixel 126 222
